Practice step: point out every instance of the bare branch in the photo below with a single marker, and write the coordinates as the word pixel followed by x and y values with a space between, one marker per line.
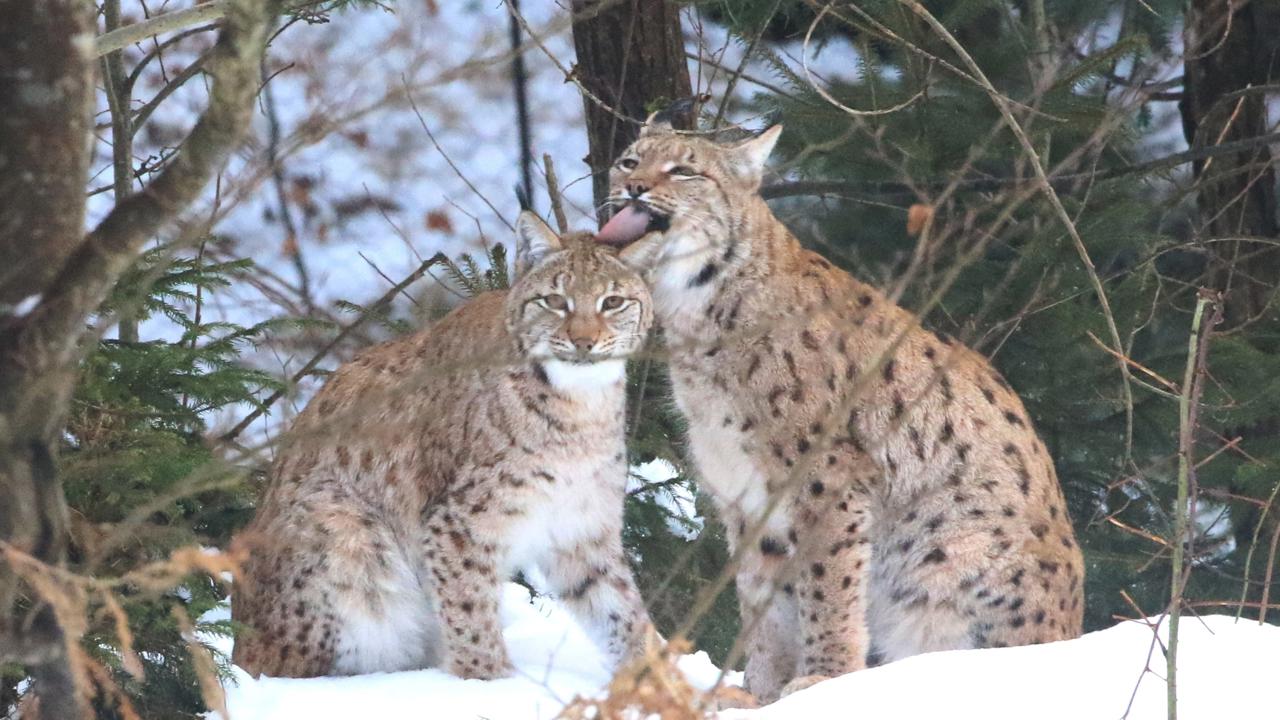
pixel 844 187
pixel 211 11
pixel 387 297
pixel 553 191
pixel 161 24
pixel 109 249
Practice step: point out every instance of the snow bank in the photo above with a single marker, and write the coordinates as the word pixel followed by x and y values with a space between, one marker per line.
pixel 555 662
pixel 1227 670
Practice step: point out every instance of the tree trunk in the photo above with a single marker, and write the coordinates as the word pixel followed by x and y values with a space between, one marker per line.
pixel 62 276
pixel 44 139
pixel 46 90
pixel 631 57
pixel 1232 47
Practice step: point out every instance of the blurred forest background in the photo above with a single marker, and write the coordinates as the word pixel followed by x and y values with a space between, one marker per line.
pixel 372 193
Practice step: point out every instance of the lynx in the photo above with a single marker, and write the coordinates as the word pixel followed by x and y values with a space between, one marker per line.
pixel 892 493
pixel 431 467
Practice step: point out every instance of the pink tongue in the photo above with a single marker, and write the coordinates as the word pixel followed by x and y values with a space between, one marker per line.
pixel 625 227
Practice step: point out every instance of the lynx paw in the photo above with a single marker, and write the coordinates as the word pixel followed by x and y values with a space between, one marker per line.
pixel 728 697
pixel 801 683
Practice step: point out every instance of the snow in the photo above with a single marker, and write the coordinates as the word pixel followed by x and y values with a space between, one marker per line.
pixel 677 499
pixel 555 662
pixel 1226 670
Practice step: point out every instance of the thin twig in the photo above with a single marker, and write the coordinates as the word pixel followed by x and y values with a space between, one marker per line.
pixel 1253 545
pixel 1266 580
pixel 804 65
pixel 387 297
pixel 1186 438
pixel 408 93
pixel 553 193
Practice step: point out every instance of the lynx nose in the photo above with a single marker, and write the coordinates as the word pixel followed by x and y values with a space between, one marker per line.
pixel 584 344
pixel 635 189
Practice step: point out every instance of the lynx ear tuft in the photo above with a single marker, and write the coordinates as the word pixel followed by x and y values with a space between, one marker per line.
pixel 658 123
pixel 534 241
pixel 749 156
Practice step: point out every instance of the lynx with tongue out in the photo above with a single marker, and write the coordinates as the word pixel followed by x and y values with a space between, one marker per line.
pixel 626 226
pixel 885 484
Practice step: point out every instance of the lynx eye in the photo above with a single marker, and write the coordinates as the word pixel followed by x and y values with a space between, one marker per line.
pixel 628 163
pixel 554 302
pixel 612 302
pixel 683 170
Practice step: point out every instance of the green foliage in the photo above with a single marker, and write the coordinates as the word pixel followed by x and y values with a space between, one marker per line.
pixel 676 552
pixel 468 275
pixel 140 478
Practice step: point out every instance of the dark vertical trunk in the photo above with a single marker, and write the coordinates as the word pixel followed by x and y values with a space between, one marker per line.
pixel 44 133
pixel 631 56
pixel 46 91
pixel 1232 47
pixel 520 82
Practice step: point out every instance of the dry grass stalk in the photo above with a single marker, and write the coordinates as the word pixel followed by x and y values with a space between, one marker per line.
pixel 69 596
pixel 651 687
pixel 215 698
pixel 128 658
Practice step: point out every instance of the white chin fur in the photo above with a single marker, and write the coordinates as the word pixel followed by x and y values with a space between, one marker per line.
pixel 593 377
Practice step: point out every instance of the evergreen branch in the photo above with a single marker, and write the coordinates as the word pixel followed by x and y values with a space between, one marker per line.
pixel 1003 103
pixel 387 297
pixel 838 187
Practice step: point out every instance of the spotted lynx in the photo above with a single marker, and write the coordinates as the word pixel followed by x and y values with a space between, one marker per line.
pixel 916 509
pixel 431 467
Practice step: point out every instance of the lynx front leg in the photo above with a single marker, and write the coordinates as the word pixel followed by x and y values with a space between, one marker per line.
pixel 463 573
pixel 767 604
pixel 831 584
pixel 593 579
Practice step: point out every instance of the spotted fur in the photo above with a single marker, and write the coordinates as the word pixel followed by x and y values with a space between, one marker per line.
pixel 892 491
pixel 430 468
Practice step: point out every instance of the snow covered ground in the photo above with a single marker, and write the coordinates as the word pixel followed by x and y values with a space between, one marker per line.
pixel 555 663
pixel 1227 670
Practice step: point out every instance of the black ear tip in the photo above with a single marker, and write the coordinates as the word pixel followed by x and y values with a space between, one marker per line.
pixel 522 197
pixel 682 113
